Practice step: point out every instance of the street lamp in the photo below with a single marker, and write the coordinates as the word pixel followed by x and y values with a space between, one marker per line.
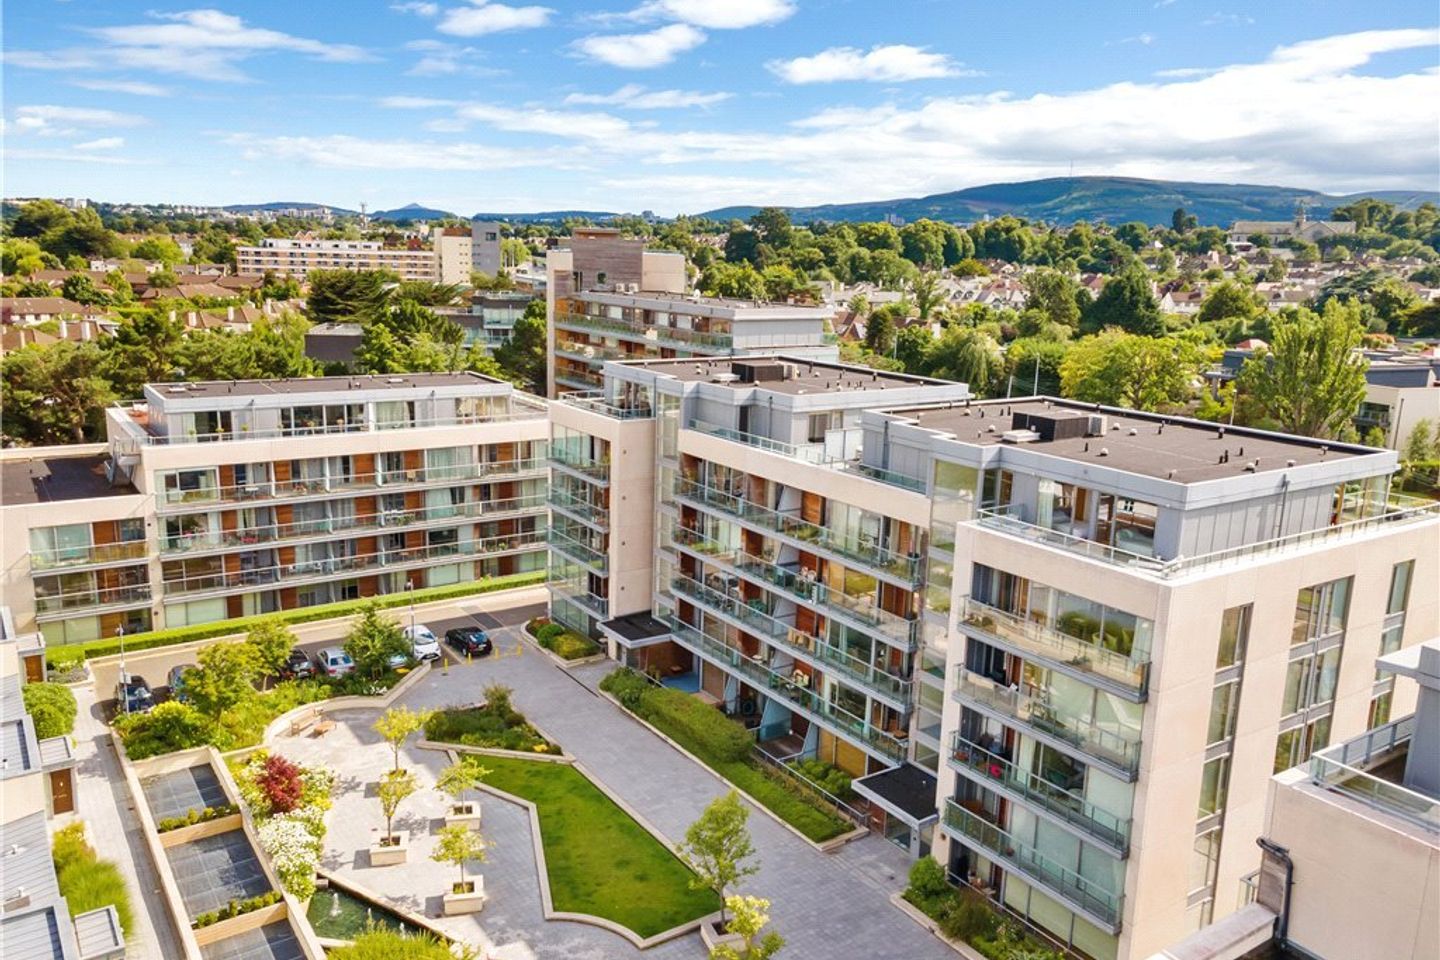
pixel 410 589
pixel 124 680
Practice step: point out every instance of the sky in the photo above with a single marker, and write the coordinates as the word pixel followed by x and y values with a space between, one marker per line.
pixel 681 106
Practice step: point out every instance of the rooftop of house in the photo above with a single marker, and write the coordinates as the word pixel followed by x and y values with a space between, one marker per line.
pixel 45 479
pixel 1177 449
pixel 780 374
pixel 292 386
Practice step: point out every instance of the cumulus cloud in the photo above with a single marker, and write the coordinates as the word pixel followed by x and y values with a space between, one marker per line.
pixel 441 59
pixel 886 64
pixel 713 15
pixel 418 8
pixel 482 17
pixel 358 153
pixel 636 97
pixel 137 88
pixel 103 143
pixel 47 120
pixel 638 51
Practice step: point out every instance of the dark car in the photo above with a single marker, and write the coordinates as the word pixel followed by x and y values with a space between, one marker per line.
pixel 298 666
pixel 177 682
pixel 470 641
pixel 132 695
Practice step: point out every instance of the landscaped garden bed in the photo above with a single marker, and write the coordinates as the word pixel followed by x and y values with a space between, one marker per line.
pixel 599 861
pixel 963 914
pixel 560 640
pixel 288 802
pixel 725 747
pixel 495 724
pixel 87 882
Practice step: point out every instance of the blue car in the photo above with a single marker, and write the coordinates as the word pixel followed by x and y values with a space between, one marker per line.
pixel 132 695
pixel 177 682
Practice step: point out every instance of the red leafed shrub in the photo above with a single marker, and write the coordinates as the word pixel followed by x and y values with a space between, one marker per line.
pixel 281 784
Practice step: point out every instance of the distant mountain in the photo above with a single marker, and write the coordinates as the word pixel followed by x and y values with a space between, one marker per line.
pixel 547 216
pixel 1112 199
pixel 412 211
pixel 285 205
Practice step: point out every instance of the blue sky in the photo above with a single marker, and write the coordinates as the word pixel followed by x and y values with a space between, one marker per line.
pixel 684 105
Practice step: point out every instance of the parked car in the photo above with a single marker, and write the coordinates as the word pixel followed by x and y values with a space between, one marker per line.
pixel 177 682
pixel 470 641
pixel 334 662
pixel 423 641
pixel 298 666
pixel 132 695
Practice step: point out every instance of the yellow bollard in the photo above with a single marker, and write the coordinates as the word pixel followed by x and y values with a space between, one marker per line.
pixel 445 668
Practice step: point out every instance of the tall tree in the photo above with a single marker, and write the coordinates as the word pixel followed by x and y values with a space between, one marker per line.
pixel 348 296
pixel 1311 380
pixel 880 332
pixel 1054 294
pixel 969 356
pixel 1122 369
pixel 226 676
pixel 523 355
pixel 147 349
pixel 54 394
pixel 925 291
pixel 1127 302
pixel 1229 300
pixel 1182 221
pixel 773 226
pixel 718 848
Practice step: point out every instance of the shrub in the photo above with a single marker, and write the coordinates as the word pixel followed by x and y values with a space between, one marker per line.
pixel 497 725
pixel 826 776
pixel 280 783
pixel 52 707
pixel 169 727
pixel 628 687
pixel 927 883
pixel 381 944
pixel 194 816
pixel 717 734
pixel 966 917
pixel 87 882
pixel 294 851
pixel 236 908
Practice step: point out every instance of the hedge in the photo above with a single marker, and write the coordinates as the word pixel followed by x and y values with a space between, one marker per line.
pixel 560 640
pixel 52 707
pixel 62 657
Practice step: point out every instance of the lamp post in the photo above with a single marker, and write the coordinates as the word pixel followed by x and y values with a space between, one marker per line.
pixel 124 679
pixel 410 589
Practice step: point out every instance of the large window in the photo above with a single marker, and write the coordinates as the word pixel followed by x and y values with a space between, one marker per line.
pixel 63 544
pixel 1320 611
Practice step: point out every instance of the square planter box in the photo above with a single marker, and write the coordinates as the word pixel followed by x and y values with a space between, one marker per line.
pixel 467 813
pixel 472 902
pixel 712 936
pixel 389 854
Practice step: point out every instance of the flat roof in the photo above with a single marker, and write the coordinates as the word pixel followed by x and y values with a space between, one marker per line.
pixel 907 789
pixel 300 385
pixel 808 376
pixel 1178 449
pixel 637 626
pixel 45 479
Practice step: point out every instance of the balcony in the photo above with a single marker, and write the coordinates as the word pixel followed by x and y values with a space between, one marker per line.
pixel 805 535
pixel 1001 775
pixel 588 467
pixel 582 380
pixel 840 450
pixel 56 604
pixel 810 648
pixel 784 689
pixel 694 340
pixel 578 594
pixel 577 551
pixel 583 510
pixel 1100 905
pixel 595 402
pixel 1070 655
pixel 1370 768
pixel 1118 751
pixel 102 554
pixel 389 521
pixel 345 567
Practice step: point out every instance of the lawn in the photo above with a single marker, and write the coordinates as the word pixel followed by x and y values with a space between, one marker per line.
pixel 600 861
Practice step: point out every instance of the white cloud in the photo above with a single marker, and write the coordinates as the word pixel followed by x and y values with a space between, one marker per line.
pixel 416 103
pixel 636 97
pixel 636 51
pixel 1144 39
pixel 419 9
pixel 715 14
pixel 136 88
pixel 51 121
pixel 358 153
pixel 1227 19
pixel 104 143
pixel 482 17
pixel 556 123
pixel 441 59
pixel 66 156
pixel 887 64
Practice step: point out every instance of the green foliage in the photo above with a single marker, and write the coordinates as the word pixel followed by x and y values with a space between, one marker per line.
pixel 969 356
pixel 270 641
pixel 381 944
pixel 374 639
pixel 1309 381
pixel 563 642
pixel 826 776
pixel 739 281
pixel 1229 300
pixel 398 724
pixel 169 727
pixel 718 847
pixel 749 915
pixel 1055 294
pixel 225 676
pixel 87 882
pixel 927 882
pixel 394 788
pixel 880 332
pixel 159 248
pixel 236 908
pixel 52 707
pixel 1126 302
pixel 1121 369
pixel 496 724
pixel 523 355
pixel 348 296
pixel 194 816
pixel 460 778
pixel 456 844
pixel 56 393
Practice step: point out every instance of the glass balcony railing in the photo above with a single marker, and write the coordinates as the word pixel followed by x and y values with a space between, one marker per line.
pixel 596 402
pixel 807 535
pixel 127 596
pixel 829 657
pixel 784 688
pixel 1046 643
pixel 581 463
pixel 1367 769
pixel 1010 519
pixel 501 410
pixel 1004 776
pixel 578 507
pixel 579 551
pixel 1089 897
pixel 651 333
pixel 576 379
pixel 97 555
pixel 577 593
pixel 1117 748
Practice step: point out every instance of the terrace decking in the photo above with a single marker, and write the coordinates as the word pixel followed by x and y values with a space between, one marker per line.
pixel 176 793
pixel 215 870
pixel 274 941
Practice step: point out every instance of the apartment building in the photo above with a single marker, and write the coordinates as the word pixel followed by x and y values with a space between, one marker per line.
pixel 485 247
pixel 454 254
pixel 608 298
pixel 226 499
pixel 298 257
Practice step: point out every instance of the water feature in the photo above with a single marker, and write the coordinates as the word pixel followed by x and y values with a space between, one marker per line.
pixel 346 916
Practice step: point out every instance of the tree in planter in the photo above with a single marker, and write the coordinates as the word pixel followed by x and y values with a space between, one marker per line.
pixel 397 725
pixel 395 786
pixel 717 848
pixel 226 676
pixel 750 917
pixel 373 640
pixel 457 844
pixel 459 779
pixel 271 642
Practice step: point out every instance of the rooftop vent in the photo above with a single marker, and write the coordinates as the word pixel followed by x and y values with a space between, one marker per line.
pixel 725 378
pixel 394 379
pixel 1019 436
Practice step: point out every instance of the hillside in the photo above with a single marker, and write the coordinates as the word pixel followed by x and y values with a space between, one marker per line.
pixel 1112 199
pixel 285 205
pixel 412 211
pixel 547 216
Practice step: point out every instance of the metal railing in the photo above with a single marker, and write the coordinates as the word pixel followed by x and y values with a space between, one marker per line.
pixel 1345 768
pixel 100 553
pixel 652 333
pixel 576 506
pixel 1003 774
pixel 839 451
pixel 581 463
pixel 1048 643
pixel 596 402
pixel 578 594
pixel 1119 750
pixel 1089 897
pixel 132 595
pixel 807 535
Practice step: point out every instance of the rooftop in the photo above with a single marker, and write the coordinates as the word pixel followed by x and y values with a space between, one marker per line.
pixel 303 385
pixel 53 478
pixel 779 374
pixel 694 302
pixel 906 790
pixel 1177 449
pixel 637 626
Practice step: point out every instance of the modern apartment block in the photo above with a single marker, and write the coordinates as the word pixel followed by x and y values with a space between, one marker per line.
pixel 485 247
pixel 1093 634
pixel 454 254
pixel 608 298
pixel 225 499
pixel 298 257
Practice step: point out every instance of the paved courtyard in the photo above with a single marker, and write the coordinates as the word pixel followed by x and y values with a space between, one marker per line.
pixel 826 905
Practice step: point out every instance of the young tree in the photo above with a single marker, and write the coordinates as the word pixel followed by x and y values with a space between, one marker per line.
pixel 226 675
pixel 718 848
pixel 394 788
pixel 458 844
pixel 1121 369
pixel 398 724
pixel 1311 381
pixel 1420 443
pixel 1229 300
pixel 460 778
pixel 271 641
pixel 750 915
pixel 373 640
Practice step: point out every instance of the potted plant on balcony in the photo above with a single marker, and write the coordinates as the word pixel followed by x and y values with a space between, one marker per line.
pixel 456 781
pixel 456 845
pixel 391 848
